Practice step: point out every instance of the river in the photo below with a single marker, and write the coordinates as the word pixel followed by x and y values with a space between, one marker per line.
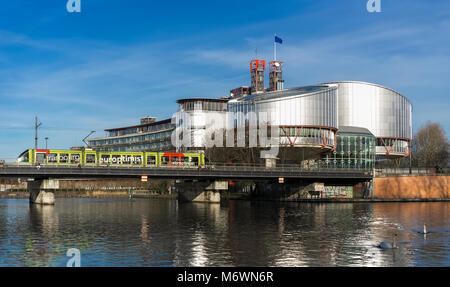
pixel 157 232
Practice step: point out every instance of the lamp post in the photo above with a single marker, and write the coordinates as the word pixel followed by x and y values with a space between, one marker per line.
pixel 36 126
pixel 46 139
pixel 84 140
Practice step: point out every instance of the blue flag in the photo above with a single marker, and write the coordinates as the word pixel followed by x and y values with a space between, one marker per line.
pixel 278 40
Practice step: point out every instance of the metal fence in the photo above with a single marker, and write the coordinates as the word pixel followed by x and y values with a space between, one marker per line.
pixel 411 172
pixel 227 167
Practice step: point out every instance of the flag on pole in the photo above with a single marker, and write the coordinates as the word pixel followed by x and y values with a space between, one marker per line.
pixel 278 40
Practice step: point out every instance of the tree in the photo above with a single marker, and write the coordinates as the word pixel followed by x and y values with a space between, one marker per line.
pixel 430 146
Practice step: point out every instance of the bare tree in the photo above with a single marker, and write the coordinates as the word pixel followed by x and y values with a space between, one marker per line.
pixel 430 146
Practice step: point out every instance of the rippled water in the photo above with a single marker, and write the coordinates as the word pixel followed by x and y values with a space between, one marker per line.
pixel 145 232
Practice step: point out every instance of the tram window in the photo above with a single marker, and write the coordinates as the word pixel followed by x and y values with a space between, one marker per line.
pixel 63 158
pixel 137 160
pixel 126 159
pixel 194 160
pixel 164 160
pixel 116 159
pixel 25 157
pixel 185 160
pixel 175 160
pixel 151 160
pixel 105 159
pixel 90 158
pixel 75 158
pixel 40 157
pixel 52 157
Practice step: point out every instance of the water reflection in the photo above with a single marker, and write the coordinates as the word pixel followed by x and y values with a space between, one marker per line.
pixel 235 233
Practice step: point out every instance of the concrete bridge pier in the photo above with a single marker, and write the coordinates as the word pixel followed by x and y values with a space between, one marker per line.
pixel 42 191
pixel 201 191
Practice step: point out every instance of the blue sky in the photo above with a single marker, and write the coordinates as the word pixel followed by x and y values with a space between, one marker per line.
pixel 117 61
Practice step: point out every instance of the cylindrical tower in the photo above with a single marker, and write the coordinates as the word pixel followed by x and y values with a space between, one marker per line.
pixel 306 118
pixel 383 111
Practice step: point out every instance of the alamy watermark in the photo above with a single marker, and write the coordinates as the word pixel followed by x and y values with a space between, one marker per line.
pixel 374 6
pixel 73 6
pixel 226 129
pixel 75 257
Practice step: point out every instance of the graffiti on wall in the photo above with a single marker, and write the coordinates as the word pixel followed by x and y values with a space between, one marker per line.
pixel 338 192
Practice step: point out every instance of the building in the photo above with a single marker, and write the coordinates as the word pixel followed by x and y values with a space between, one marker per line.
pixel 384 112
pixel 355 148
pixel 201 113
pixel 337 124
pixel 149 135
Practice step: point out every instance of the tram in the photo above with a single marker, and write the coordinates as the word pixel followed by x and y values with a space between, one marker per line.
pixel 114 158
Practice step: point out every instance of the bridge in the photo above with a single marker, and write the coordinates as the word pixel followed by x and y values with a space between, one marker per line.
pixel 202 184
pixel 223 172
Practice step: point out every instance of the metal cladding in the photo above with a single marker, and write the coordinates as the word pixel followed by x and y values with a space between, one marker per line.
pixel 310 116
pixel 383 111
pixel 307 116
pixel 308 106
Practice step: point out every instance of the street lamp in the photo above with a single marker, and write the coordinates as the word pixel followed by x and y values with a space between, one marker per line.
pixel 36 126
pixel 46 139
pixel 87 137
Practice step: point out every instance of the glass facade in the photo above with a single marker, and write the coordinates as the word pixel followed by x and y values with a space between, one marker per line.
pixel 353 150
pixel 138 129
pixel 150 137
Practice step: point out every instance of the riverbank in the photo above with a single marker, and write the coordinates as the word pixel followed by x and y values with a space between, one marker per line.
pixel 387 189
pixel 89 194
pixel 225 196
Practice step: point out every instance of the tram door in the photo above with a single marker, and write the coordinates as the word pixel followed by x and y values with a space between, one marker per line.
pixel 41 157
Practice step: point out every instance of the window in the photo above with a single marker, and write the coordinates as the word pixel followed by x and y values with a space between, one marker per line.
pixel 116 159
pixel 126 159
pixel 105 159
pixel 90 158
pixel 151 160
pixel 63 158
pixel 165 160
pixel 175 160
pixel 75 158
pixel 52 157
pixel 137 160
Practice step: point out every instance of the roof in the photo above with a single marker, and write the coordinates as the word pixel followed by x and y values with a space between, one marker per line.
pixel 299 91
pixel 353 130
pixel 180 101
pixel 141 125
pixel 369 84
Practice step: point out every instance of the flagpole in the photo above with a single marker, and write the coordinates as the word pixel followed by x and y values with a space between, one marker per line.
pixel 275 48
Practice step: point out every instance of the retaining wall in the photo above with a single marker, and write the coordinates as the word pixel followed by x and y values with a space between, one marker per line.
pixel 413 187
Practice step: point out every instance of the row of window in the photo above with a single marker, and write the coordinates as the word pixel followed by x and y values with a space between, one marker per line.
pixel 204 106
pixel 144 129
pixel 164 145
pixel 133 139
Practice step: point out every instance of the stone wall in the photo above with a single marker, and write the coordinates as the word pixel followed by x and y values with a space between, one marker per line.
pixel 413 187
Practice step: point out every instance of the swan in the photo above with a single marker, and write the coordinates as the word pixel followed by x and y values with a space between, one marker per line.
pixel 424 230
pixel 388 245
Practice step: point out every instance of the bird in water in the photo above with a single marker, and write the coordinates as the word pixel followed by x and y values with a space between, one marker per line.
pixel 424 230
pixel 388 245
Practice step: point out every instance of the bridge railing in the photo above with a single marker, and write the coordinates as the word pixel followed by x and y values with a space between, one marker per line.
pixel 218 167
pixel 412 172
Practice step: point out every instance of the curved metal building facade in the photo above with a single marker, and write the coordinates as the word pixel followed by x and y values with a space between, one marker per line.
pixel 306 116
pixel 383 111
